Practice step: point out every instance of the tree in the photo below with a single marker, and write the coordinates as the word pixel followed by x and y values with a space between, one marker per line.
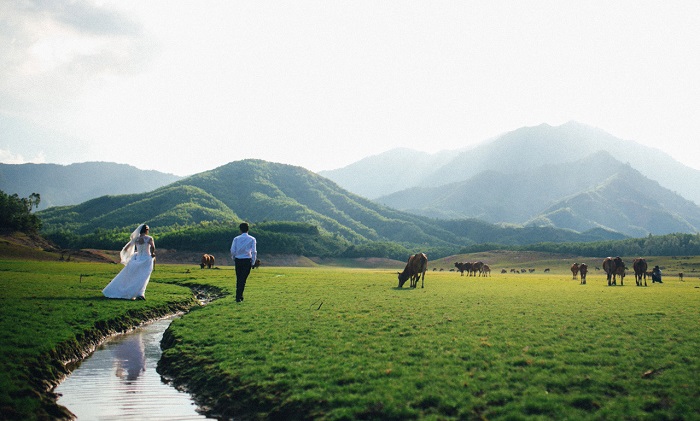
pixel 16 213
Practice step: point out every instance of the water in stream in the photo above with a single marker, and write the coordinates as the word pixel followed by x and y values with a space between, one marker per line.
pixel 119 381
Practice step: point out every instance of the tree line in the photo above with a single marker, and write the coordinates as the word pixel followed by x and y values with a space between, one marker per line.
pixel 302 238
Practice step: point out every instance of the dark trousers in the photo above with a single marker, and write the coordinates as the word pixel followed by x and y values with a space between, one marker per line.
pixel 243 267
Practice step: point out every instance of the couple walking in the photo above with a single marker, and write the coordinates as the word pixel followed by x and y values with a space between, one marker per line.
pixel 138 257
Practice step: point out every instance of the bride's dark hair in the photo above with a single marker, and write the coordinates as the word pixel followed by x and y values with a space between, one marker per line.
pixel 144 228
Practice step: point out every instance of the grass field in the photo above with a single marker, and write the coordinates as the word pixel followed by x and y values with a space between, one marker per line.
pixel 347 344
pixel 342 343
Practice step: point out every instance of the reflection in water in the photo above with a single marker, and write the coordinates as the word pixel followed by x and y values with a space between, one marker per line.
pixel 130 357
pixel 119 381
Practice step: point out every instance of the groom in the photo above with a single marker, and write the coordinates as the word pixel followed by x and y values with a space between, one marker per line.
pixel 244 252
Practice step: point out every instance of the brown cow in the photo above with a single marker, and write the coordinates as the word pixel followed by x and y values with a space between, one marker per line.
pixel 485 270
pixel 612 267
pixel 583 270
pixel 640 268
pixel 415 268
pixel 207 260
pixel 574 270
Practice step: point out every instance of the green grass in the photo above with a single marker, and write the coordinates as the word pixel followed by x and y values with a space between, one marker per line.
pixel 339 343
pixel 346 344
pixel 50 312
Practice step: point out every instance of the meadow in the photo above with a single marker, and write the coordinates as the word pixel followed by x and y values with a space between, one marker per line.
pixel 346 343
pixel 332 343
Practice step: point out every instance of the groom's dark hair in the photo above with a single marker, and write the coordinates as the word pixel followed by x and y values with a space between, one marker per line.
pixel 243 227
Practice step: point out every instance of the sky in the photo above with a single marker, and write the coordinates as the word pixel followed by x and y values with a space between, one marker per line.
pixel 186 86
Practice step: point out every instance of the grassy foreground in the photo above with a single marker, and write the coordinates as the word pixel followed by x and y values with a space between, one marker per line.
pixel 327 343
pixel 54 312
pixel 339 343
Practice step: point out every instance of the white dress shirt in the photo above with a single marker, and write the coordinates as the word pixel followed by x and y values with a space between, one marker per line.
pixel 244 247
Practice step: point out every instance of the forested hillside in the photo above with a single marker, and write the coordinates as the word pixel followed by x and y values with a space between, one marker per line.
pixel 262 192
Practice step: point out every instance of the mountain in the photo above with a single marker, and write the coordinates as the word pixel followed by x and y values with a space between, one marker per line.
pixel 522 149
pixel 596 191
pixel 75 183
pixel 388 172
pixel 260 191
pixel 626 202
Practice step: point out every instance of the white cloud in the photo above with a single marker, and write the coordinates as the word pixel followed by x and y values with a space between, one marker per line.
pixel 51 49
pixel 7 157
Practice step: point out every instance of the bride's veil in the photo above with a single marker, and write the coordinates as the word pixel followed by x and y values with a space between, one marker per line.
pixel 128 250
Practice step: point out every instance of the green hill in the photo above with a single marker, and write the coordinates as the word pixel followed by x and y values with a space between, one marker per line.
pixel 316 210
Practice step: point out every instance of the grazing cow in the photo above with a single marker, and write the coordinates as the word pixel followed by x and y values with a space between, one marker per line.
pixel 531 270
pixel 207 260
pixel 415 268
pixel 485 270
pixel 574 270
pixel 612 267
pixel 583 270
pixel 504 271
pixel 640 268
pixel 546 270
pixel 680 276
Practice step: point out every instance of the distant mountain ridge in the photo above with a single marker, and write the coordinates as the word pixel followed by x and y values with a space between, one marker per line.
pixel 595 192
pixel 71 184
pixel 513 152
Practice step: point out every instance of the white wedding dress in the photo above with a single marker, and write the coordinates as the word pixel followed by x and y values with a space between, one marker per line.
pixel 131 282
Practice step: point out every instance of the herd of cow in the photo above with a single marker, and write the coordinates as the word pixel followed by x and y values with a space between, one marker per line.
pixel 473 268
pixel 613 266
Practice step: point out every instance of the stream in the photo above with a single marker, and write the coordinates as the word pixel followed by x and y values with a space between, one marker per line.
pixel 119 381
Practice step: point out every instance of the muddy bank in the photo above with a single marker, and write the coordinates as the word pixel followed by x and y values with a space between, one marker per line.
pixel 48 370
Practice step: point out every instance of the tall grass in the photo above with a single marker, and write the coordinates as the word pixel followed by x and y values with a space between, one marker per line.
pixel 346 344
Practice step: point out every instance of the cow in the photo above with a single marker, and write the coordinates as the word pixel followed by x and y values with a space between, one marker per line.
pixel 485 270
pixel 256 265
pixel 546 270
pixel 415 268
pixel 583 270
pixel 207 260
pixel 612 267
pixel 574 270
pixel 462 267
pixel 680 276
pixel 475 268
pixel 640 268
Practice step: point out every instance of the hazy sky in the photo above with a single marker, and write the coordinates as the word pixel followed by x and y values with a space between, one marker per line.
pixel 187 86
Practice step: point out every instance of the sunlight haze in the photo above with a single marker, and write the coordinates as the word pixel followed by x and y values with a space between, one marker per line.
pixel 184 87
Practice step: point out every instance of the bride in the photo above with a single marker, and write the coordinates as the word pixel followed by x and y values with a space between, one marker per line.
pixel 137 256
